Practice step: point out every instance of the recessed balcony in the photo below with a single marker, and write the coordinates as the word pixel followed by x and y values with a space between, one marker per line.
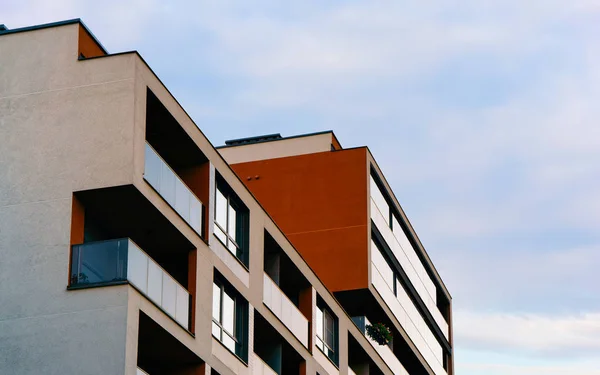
pixel 175 166
pixel 285 310
pixel 260 367
pixel 161 353
pixel 273 354
pixel 408 259
pixel 172 188
pixel 384 351
pixel 121 260
pixel 405 312
pixel 286 291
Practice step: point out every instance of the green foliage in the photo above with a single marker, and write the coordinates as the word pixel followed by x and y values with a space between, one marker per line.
pixel 380 333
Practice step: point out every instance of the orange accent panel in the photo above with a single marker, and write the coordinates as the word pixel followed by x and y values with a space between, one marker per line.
pixel 87 45
pixel 305 306
pixel 320 202
pixel 198 180
pixel 335 142
pixel 77 229
pixel 77 222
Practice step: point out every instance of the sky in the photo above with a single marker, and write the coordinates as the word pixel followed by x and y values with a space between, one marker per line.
pixel 483 115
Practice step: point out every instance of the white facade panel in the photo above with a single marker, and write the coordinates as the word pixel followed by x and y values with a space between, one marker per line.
pixel 285 310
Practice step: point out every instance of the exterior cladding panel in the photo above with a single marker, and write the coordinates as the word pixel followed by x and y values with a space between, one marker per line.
pixel 320 202
pixel 88 47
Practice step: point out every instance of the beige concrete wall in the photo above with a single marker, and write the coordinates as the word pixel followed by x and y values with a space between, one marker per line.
pixel 278 149
pixel 65 126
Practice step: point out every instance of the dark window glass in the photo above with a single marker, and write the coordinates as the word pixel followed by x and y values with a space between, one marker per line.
pixel 99 262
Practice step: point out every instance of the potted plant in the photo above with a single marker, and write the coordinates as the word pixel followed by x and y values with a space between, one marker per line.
pixel 380 333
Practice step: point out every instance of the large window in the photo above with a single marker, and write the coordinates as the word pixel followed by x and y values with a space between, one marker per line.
pixel 231 221
pixel 327 331
pixel 230 319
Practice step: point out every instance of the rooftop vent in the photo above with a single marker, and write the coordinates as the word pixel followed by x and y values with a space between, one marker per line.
pixel 250 140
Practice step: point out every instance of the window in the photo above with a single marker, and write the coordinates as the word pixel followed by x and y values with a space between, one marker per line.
pixel 231 222
pixel 327 335
pixel 230 319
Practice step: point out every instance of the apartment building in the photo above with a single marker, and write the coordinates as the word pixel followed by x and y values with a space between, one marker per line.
pixel 337 209
pixel 130 245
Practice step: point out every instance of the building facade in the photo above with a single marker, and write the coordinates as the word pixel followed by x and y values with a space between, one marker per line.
pixel 130 245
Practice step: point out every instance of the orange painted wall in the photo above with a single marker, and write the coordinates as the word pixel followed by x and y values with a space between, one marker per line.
pixel 77 222
pixel 320 202
pixel 198 180
pixel 87 45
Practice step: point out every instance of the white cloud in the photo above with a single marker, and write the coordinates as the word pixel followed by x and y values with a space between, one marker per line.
pixel 530 334
pixel 568 368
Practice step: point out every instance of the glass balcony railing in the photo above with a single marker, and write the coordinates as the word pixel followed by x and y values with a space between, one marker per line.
pixel 259 367
pixel 121 260
pixel 166 182
pixel 285 310
pixel 407 314
pixel 384 351
pixel 408 259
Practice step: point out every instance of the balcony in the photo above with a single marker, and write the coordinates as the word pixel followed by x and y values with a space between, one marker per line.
pixel 161 353
pixel 406 313
pixel 119 261
pixel 273 354
pixel 409 260
pixel 261 368
pixel 172 188
pixel 384 351
pixel 285 310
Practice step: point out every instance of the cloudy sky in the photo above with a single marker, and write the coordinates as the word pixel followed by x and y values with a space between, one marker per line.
pixel 483 115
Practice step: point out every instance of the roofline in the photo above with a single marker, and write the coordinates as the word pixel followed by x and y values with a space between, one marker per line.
pixel 252 140
pixel 54 24
pixel 281 139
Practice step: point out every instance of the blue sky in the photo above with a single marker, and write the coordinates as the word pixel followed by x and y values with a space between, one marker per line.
pixel 482 114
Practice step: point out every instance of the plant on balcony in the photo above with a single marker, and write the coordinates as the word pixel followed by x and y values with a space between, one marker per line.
pixel 79 279
pixel 379 332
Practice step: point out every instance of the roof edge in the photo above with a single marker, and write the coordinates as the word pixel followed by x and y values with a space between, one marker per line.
pixel 281 139
pixel 72 21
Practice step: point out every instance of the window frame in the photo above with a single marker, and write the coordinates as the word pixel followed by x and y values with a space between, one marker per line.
pixel 239 239
pixel 240 319
pixel 321 336
pixel 219 322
